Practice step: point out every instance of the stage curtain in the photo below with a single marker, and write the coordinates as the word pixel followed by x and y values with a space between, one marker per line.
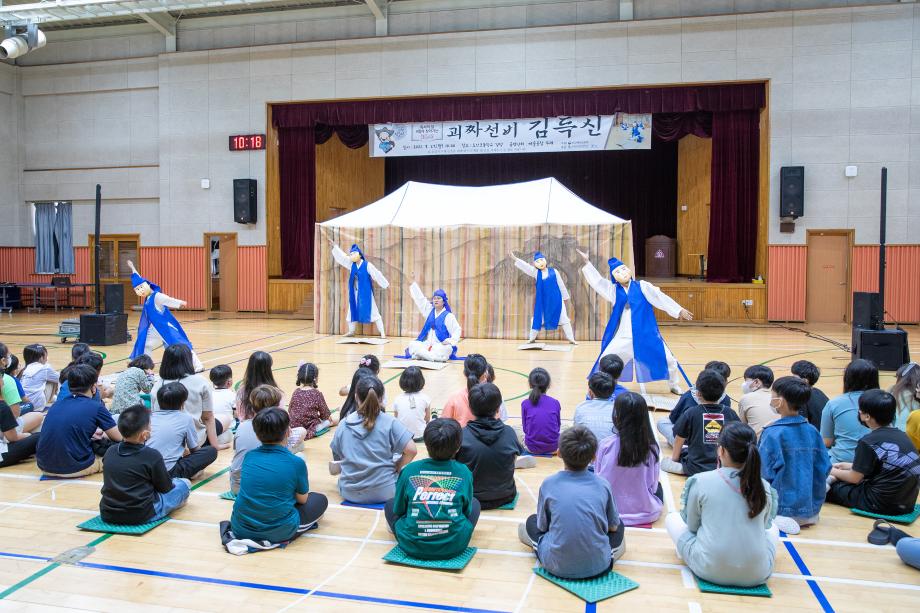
pixel 354 136
pixel 680 99
pixel 297 169
pixel 639 185
pixel 733 212
pixel 674 126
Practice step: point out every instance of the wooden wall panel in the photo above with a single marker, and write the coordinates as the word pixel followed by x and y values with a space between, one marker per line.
pixel 786 275
pixel 272 198
pixel 694 187
pixel 761 259
pixel 717 302
pixel 252 290
pixel 346 179
pixel 291 296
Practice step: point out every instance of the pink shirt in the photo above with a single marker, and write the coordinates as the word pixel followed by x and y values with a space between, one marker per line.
pixel 634 487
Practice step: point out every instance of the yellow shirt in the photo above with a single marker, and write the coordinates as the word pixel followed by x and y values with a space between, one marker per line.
pixel 913 428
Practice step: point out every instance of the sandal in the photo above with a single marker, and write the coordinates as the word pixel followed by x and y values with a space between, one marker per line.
pixel 881 533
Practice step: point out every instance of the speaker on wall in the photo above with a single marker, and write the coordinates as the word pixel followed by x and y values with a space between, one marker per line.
pixel 244 200
pixel 114 298
pixel 792 191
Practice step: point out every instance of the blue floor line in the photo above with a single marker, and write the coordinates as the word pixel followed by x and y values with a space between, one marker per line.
pixel 815 588
pixel 263 586
pixel 590 607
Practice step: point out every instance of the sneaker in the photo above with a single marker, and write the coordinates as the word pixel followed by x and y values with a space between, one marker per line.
pixel 335 468
pixel 675 389
pixel 524 537
pixel 786 524
pixel 525 461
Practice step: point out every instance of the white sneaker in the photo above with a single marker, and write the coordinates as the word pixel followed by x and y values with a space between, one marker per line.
pixel 787 524
pixel 335 468
pixel 675 389
pixel 525 461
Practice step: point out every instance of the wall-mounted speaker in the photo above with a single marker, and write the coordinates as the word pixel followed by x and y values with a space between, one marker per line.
pixel 792 191
pixel 244 201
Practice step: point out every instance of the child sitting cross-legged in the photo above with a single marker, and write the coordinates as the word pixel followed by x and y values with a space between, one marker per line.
pixel 175 435
pixel 434 512
pixel 490 449
pixel 577 532
pixel 724 531
pixel 135 380
pixel 596 414
pixel 370 447
pixel 245 439
pixel 540 415
pixel 884 476
pixel 136 486
pixel 308 409
pixel 274 503
pixel 700 427
pixel 793 456
pixel 412 407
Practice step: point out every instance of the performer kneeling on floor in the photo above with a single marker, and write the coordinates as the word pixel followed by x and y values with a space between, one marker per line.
pixel 438 339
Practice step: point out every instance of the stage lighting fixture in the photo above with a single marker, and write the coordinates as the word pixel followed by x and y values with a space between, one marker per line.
pixel 19 40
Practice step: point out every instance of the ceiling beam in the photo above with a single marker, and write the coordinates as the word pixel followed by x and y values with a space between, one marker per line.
pixel 164 24
pixel 375 8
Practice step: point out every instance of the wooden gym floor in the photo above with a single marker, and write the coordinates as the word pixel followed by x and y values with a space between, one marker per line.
pixel 182 566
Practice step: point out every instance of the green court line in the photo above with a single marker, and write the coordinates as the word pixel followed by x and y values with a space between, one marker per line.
pixel 792 355
pixel 34 576
pixel 211 478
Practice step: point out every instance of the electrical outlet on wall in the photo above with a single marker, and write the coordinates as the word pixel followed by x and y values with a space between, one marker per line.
pixel 747 303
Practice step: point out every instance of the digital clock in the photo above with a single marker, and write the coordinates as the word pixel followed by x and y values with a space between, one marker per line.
pixel 247 142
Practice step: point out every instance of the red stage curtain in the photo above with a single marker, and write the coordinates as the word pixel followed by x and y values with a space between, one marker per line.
pixel 733 209
pixel 348 119
pixel 674 126
pixel 297 166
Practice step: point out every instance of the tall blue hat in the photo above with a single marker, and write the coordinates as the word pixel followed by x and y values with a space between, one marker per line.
pixel 614 263
pixel 137 280
pixel 538 256
pixel 355 248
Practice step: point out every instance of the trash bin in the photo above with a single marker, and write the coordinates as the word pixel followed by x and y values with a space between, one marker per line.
pixel 660 256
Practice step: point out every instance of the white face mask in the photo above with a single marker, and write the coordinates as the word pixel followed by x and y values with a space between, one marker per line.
pixel 746 387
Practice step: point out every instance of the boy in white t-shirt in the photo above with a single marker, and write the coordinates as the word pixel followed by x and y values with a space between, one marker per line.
pixel 413 408
pixel 224 398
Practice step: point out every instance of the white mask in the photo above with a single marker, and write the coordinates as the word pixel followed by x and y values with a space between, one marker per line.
pixel 748 386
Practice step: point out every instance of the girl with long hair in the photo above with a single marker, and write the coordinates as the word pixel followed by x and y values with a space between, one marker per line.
pixel 541 415
pixel 475 371
pixel 628 460
pixel 258 372
pixel 725 531
pixel 370 447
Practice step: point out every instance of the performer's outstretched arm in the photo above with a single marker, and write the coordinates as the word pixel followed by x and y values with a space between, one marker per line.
pixel 376 275
pixel 660 300
pixel 131 266
pixel 420 299
pixel 524 267
pixel 162 300
pixel 340 257
pixel 602 286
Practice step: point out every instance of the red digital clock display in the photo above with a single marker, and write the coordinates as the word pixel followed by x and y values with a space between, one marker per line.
pixel 247 142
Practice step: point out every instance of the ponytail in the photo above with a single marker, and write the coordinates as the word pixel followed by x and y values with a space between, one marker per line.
pixel 369 393
pixel 539 383
pixel 740 442
pixel 474 367
pixel 307 374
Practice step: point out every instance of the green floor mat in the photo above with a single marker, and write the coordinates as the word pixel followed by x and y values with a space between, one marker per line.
pixel 398 556
pixel 907 518
pixel 145 398
pixel 97 525
pixel 228 495
pixel 321 432
pixel 591 590
pixel 757 590
pixel 509 506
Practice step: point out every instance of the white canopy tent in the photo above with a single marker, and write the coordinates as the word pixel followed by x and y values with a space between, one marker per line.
pixel 426 205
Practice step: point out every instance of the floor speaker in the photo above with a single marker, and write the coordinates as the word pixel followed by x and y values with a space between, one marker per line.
pixel 104 328
pixel 886 348
pixel 114 299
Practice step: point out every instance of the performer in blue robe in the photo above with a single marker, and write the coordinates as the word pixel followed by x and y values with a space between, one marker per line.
pixel 362 308
pixel 549 310
pixel 441 332
pixel 632 332
pixel 158 327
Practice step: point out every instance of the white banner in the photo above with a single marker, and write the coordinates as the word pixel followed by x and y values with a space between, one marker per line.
pixel 535 135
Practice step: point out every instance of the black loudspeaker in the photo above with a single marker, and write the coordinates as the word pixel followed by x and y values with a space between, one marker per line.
pixel 244 200
pixel 866 310
pixel 792 191
pixel 104 329
pixel 886 348
pixel 114 298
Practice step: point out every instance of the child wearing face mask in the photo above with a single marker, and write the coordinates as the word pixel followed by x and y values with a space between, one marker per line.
pixel 794 459
pixel 754 408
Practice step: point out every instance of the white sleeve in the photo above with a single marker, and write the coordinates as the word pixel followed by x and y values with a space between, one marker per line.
pixel 162 300
pixel 659 299
pixel 562 288
pixel 453 326
pixel 525 268
pixel 340 258
pixel 420 299
pixel 602 286
pixel 376 275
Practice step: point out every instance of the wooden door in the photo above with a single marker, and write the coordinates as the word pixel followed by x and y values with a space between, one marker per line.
pixel 228 274
pixel 827 284
pixel 116 250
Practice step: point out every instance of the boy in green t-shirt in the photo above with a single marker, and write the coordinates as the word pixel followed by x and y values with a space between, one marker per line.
pixel 433 512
